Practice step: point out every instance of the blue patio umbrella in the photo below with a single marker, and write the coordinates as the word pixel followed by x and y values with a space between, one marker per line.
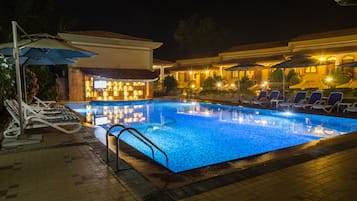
pixel 38 49
pixel 43 49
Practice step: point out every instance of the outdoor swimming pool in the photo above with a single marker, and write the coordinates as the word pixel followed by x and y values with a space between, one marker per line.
pixel 196 134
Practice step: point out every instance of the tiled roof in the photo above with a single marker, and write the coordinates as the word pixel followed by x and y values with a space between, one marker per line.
pixel 107 34
pixel 162 62
pixel 328 34
pixel 122 74
pixel 255 46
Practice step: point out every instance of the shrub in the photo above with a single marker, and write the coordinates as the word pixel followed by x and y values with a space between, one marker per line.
pixel 276 75
pixel 170 84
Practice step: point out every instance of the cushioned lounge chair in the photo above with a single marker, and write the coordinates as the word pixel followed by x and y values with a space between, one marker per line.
pixel 315 96
pixel 332 101
pixel 262 95
pixel 299 98
pixel 65 122
pixel 265 101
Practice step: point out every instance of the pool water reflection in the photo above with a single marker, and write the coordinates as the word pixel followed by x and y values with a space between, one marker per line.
pixel 197 134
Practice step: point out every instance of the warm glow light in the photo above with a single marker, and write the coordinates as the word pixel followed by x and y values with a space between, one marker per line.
pixel 319 130
pixel 233 85
pixel 207 71
pixel 219 84
pixel 322 58
pixel 190 72
pixel 329 79
pixel 193 86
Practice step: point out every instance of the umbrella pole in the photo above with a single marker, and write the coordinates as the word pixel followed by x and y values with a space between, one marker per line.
pixel 24 80
pixel 238 87
pixel 283 84
pixel 18 78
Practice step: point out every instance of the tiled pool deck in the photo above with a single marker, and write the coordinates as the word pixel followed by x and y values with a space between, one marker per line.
pixel 72 167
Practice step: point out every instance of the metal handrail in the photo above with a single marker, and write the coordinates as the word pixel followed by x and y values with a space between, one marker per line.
pixel 129 129
pixel 137 134
pixel 110 134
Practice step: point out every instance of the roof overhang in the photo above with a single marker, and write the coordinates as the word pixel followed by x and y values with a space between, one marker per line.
pixel 122 74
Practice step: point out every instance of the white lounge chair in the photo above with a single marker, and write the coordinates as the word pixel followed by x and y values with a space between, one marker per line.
pixel 262 95
pixel 42 103
pixel 351 108
pixel 274 95
pixel 315 96
pixel 65 122
pixel 332 101
pixel 299 98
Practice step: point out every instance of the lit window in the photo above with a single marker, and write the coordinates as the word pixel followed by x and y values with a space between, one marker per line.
pixel 311 69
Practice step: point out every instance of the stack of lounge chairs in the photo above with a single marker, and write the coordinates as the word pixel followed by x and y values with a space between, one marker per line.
pixel 59 118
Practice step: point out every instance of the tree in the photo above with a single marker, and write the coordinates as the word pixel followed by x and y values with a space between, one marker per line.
pixel 7 81
pixel 276 75
pixel 170 84
pixel 42 83
pixel 209 84
pixel 338 77
pixel 34 16
pixel 293 77
pixel 200 35
pixel 346 2
pixel 245 83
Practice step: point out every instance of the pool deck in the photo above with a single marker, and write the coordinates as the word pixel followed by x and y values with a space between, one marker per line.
pixel 72 167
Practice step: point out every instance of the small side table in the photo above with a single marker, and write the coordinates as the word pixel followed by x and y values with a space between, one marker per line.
pixel 343 105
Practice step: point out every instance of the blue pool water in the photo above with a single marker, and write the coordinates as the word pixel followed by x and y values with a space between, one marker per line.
pixel 195 134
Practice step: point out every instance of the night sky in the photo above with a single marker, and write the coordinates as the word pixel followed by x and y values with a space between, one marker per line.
pixel 250 21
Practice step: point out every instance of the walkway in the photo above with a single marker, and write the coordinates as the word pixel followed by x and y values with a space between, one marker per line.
pixel 71 167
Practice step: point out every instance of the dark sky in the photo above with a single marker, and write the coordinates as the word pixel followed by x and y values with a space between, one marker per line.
pixel 250 21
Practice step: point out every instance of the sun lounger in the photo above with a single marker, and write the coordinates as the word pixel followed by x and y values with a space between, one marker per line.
pixel 64 122
pixel 42 103
pixel 299 98
pixel 332 101
pixel 315 96
pixel 351 108
pixel 265 101
pixel 262 95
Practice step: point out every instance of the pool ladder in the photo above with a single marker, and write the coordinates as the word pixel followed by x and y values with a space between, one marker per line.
pixel 138 135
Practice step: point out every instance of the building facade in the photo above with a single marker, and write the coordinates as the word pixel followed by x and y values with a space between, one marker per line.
pixel 336 47
pixel 121 70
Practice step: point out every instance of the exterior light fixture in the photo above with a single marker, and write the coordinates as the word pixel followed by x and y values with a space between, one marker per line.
pixel 329 79
pixel 219 84
pixel 322 59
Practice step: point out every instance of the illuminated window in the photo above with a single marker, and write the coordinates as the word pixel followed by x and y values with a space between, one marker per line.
pixel 234 74
pixel 311 69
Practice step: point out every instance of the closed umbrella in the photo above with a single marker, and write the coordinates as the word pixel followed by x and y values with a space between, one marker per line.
pixel 38 49
pixel 244 67
pixel 297 61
